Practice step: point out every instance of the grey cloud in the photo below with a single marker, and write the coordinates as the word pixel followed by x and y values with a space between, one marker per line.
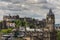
pixel 6 0
pixel 29 8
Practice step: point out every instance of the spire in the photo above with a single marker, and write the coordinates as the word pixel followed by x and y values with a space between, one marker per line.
pixel 50 12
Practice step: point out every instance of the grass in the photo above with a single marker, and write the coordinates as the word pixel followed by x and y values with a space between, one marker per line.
pixel 6 31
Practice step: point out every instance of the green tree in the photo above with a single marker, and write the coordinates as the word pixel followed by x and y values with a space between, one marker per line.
pixel 18 23
pixel 25 24
pixel 31 25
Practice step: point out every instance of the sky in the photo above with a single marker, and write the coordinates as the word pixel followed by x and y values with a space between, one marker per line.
pixel 30 8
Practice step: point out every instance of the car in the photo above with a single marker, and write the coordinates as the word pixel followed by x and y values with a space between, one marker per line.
pixel 6 37
pixel 21 34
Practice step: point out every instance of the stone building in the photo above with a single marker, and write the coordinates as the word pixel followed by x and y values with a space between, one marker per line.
pixel 47 27
pixel 8 21
pixel 48 32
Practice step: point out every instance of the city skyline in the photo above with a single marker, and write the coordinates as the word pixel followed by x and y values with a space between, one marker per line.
pixel 30 8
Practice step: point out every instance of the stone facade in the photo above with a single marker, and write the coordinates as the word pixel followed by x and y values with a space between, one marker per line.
pixel 8 21
pixel 46 25
pixel 50 26
pixel 48 32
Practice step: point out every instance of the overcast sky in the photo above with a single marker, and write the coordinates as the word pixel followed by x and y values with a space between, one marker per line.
pixel 30 8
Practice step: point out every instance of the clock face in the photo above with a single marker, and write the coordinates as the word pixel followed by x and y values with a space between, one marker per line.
pixel 49 19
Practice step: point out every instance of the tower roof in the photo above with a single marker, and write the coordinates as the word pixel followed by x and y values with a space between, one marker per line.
pixel 50 12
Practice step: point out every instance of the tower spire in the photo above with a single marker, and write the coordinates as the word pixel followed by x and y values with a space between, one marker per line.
pixel 50 12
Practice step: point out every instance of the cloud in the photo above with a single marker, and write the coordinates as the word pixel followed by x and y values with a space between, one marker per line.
pixel 57 21
pixel 30 8
pixel 6 0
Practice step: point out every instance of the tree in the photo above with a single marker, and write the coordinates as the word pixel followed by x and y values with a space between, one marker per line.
pixel 31 25
pixel 17 25
pixel 58 35
pixel 25 23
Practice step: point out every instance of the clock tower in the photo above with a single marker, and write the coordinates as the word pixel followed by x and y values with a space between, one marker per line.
pixel 50 20
pixel 50 32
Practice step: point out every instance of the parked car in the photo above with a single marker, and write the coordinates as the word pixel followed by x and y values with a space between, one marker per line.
pixel 21 34
pixel 6 37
